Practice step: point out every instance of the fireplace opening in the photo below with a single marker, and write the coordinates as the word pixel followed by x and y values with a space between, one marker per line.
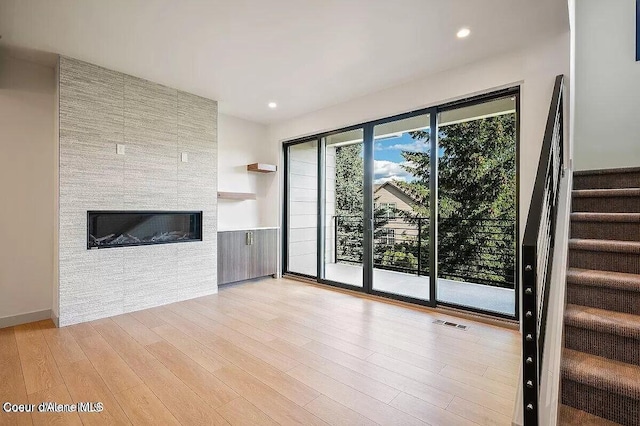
pixel 107 229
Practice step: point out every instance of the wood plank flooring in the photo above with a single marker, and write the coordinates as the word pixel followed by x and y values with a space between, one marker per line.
pixel 264 353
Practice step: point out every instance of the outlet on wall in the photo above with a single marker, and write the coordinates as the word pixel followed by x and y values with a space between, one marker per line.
pixel 119 149
pixel 185 157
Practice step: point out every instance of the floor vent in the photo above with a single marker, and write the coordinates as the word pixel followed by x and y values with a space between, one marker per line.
pixel 450 324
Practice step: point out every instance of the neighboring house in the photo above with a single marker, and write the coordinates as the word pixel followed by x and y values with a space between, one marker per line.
pixel 392 199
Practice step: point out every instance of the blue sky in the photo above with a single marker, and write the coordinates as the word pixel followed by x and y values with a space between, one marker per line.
pixel 390 149
pixel 388 157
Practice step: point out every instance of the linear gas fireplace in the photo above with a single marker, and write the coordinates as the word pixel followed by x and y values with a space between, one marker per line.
pixel 107 229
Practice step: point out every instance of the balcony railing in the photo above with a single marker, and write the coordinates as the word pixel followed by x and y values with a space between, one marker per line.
pixel 484 253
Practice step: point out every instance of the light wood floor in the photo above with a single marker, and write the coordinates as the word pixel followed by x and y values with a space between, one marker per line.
pixel 266 352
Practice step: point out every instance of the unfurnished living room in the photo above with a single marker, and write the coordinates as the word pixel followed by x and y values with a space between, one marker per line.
pixel 358 212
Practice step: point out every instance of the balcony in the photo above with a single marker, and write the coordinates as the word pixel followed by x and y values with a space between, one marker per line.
pixel 476 268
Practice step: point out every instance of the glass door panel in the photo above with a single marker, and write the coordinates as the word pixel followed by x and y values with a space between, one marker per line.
pixel 477 232
pixel 401 207
pixel 344 208
pixel 302 209
pixel 421 208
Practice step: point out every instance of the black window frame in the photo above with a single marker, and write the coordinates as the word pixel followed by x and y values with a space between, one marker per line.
pixel 368 138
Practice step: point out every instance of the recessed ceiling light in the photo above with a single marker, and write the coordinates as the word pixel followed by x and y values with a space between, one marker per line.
pixel 272 105
pixel 463 32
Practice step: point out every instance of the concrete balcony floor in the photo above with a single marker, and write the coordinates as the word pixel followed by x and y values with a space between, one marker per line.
pixel 478 296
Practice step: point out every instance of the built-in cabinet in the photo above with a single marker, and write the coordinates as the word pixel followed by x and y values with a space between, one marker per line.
pixel 247 254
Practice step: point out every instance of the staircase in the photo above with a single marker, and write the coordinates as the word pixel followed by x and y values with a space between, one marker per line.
pixel 601 359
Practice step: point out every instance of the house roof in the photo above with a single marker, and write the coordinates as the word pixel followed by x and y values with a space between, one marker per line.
pixel 392 187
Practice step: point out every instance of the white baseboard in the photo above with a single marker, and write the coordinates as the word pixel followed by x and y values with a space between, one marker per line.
pixel 25 318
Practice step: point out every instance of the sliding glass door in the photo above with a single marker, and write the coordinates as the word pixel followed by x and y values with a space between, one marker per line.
pixel 344 208
pixel 402 207
pixel 477 233
pixel 421 207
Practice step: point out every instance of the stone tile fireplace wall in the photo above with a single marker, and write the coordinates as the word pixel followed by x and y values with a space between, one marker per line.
pixel 98 109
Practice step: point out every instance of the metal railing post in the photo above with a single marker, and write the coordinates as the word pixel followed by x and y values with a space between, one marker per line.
pixel 419 245
pixel 335 240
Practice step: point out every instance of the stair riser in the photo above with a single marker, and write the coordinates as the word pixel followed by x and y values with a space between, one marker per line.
pixel 607 181
pixel 622 231
pixel 601 403
pixel 606 345
pixel 606 204
pixel 604 298
pixel 605 261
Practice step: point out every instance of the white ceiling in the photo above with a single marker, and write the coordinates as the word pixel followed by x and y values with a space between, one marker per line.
pixel 303 54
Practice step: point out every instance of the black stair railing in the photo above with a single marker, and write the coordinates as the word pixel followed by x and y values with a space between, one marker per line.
pixel 537 255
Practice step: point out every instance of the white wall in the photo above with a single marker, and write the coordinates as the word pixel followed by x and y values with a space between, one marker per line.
pixel 27 99
pixel 607 78
pixel 242 142
pixel 534 69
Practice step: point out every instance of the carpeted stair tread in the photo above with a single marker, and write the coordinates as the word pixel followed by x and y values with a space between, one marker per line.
pixel 603 321
pixel 610 246
pixel 606 193
pixel 570 416
pixel 606 279
pixel 599 172
pixel 601 373
pixel 615 200
pixel 610 178
pixel 605 217
pixel 616 226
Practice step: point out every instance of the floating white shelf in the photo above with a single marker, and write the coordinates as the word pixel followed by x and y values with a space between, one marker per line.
pixel 262 168
pixel 240 196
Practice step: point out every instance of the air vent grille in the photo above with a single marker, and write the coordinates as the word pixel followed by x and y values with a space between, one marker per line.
pixel 450 324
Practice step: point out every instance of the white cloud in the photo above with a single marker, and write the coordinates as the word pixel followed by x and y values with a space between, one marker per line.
pixel 386 179
pixel 385 171
pixel 415 146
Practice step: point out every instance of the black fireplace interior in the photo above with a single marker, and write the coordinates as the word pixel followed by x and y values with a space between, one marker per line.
pixel 134 228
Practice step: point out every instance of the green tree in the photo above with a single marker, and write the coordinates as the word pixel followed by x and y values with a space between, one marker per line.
pixel 476 184
pixel 349 196
pixel 349 201
pixel 477 203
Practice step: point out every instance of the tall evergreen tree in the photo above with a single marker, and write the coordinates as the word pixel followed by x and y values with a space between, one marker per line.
pixel 349 197
pixel 476 184
pixel 349 201
pixel 477 202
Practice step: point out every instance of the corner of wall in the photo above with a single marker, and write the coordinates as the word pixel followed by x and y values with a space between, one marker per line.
pixel 243 142
pixel 55 306
pixel 27 120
